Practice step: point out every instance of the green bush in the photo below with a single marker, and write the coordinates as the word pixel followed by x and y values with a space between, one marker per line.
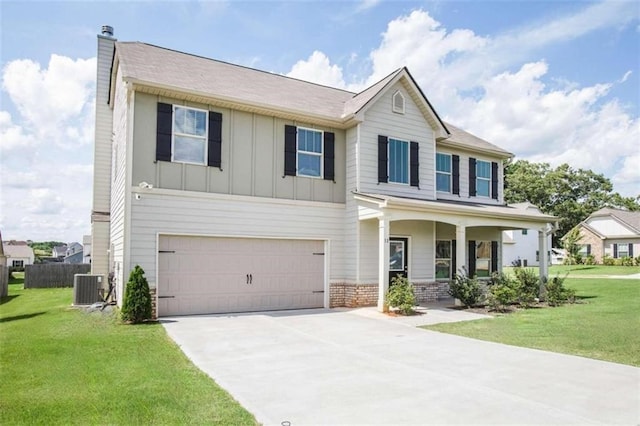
pixel 589 260
pixel 557 294
pixel 626 261
pixel 636 261
pixel 608 260
pixel 500 296
pixel 401 295
pixel 466 290
pixel 528 286
pixel 136 307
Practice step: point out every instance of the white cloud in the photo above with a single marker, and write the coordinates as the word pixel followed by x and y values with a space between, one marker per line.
pixel 366 5
pixel 318 69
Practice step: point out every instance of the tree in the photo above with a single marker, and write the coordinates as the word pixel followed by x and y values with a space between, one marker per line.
pixel 136 306
pixel 571 246
pixel 567 193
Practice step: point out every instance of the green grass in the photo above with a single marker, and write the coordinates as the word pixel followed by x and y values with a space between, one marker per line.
pixel 587 270
pixel 603 326
pixel 60 365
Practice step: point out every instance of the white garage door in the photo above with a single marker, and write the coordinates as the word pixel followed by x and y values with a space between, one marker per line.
pixel 203 275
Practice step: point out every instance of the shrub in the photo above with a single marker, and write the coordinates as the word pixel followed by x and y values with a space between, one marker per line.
pixel 608 260
pixel 500 296
pixel 401 296
pixel 589 260
pixel 466 290
pixel 528 286
pixel 626 261
pixel 136 307
pixel 557 294
pixel 636 261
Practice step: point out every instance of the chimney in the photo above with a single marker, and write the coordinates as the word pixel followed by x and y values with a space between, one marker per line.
pixel 107 30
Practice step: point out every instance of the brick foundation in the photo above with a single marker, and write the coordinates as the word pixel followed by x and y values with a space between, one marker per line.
pixel 356 295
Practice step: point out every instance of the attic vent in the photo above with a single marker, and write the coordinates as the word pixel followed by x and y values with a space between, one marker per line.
pixel 398 103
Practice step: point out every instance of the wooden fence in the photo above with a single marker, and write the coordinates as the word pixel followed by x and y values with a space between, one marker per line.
pixel 53 274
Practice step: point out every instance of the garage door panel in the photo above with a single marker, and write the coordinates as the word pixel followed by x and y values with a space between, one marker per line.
pixel 200 275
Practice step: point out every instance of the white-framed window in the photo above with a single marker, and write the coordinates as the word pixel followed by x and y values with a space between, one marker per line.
pixel 443 172
pixel 623 250
pixel 443 259
pixel 398 102
pixel 483 178
pixel 309 152
pixel 483 259
pixel 398 161
pixel 190 127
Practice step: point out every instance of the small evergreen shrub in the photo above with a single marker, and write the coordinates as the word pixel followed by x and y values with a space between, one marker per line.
pixel 589 260
pixel 401 295
pixel 136 306
pixel 557 294
pixel 500 296
pixel 626 261
pixel 608 260
pixel 466 290
pixel 528 286
pixel 636 261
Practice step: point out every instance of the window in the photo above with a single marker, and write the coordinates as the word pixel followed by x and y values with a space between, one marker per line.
pixel 525 231
pixel 623 250
pixel 398 103
pixel 18 263
pixel 398 161
pixel 309 152
pixel 443 172
pixel 483 258
pixel 443 259
pixel 483 178
pixel 189 135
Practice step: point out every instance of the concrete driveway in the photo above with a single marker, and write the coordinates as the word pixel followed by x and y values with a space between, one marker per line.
pixel 354 367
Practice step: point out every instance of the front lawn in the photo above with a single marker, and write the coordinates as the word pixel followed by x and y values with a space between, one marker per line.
pixel 603 326
pixel 574 270
pixel 60 365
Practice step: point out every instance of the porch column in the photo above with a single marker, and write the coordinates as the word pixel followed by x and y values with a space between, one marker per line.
pixel 461 248
pixel 543 258
pixel 383 261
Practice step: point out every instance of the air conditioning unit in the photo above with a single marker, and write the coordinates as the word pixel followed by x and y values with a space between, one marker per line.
pixel 86 288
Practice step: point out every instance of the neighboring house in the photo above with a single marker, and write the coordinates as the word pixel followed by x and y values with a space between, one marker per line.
pixel 86 249
pixel 520 247
pixel 612 232
pixel 74 253
pixel 59 251
pixel 18 254
pixel 242 190
pixel 557 256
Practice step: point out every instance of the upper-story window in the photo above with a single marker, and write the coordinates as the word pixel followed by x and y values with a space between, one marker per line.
pixel 483 178
pixel 443 172
pixel 398 161
pixel 189 135
pixel 309 152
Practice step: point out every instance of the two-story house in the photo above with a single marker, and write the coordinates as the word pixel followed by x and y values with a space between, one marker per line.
pixel 242 190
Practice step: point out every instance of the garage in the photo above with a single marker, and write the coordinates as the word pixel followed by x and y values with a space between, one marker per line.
pixel 210 275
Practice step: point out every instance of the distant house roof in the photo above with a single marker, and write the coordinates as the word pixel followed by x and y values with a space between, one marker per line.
pixel 59 251
pixel 630 219
pixel 12 250
pixel 163 71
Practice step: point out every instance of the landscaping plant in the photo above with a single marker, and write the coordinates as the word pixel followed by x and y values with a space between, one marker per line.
pixel 502 291
pixel 401 295
pixel 528 286
pixel 557 294
pixel 136 307
pixel 467 290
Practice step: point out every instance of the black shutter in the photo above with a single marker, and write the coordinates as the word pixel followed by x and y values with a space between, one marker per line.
pixel 164 126
pixel 588 249
pixel 414 162
pixel 494 256
pixel 615 251
pixel 215 140
pixel 630 249
pixel 290 151
pixel 454 266
pixel 383 143
pixel 455 168
pixel 472 177
pixel 329 155
pixel 494 180
pixel 472 258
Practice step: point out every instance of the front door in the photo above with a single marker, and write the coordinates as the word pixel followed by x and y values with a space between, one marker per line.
pixel 398 257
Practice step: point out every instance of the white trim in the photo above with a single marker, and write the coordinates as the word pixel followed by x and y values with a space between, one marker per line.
pixel 174 133
pixel 484 178
pixel 320 154
pixel 450 191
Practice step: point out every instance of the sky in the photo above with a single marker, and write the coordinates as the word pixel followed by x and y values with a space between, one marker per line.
pixel 550 81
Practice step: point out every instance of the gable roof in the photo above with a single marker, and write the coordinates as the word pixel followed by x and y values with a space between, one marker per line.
pixel 625 217
pixel 11 250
